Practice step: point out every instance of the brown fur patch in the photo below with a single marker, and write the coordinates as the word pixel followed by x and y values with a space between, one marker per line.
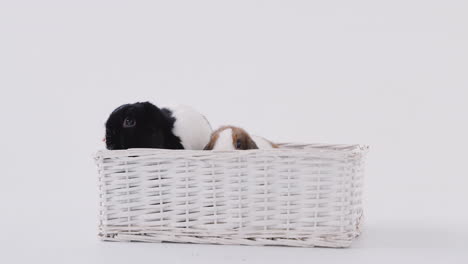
pixel 214 137
pixel 240 138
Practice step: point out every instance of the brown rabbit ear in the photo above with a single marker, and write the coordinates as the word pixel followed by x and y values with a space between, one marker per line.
pixel 251 144
pixel 210 145
pixel 213 139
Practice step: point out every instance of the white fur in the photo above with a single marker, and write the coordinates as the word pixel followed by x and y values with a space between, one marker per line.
pixel 224 141
pixel 262 143
pixel 191 127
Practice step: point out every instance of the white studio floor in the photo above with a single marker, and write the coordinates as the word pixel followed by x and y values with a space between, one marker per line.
pixel 398 244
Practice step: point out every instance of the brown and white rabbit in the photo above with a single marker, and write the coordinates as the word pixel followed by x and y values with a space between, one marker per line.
pixel 232 138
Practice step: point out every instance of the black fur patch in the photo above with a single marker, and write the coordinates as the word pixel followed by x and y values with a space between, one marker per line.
pixel 151 128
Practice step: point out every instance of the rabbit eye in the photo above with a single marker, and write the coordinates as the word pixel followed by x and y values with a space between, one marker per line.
pixel 129 122
pixel 238 144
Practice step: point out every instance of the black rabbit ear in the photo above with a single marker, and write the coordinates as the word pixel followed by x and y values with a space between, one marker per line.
pixel 150 108
pixel 120 108
pixel 153 111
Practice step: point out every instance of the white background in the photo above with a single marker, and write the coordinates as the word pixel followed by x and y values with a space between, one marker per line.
pixel 391 74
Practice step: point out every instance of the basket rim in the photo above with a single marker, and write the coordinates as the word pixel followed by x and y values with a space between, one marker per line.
pixel 343 149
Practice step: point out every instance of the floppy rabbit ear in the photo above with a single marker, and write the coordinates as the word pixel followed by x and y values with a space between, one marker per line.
pixel 210 145
pixel 156 115
pixel 251 144
pixel 153 110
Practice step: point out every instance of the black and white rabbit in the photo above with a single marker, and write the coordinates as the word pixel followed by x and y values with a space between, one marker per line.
pixel 144 125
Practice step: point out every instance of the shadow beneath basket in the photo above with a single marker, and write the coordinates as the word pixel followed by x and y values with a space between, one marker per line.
pixel 399 236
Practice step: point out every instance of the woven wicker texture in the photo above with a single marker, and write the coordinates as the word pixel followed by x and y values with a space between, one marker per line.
pixel 297 195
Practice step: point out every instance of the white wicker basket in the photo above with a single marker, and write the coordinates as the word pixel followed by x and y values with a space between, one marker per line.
pixel 297 195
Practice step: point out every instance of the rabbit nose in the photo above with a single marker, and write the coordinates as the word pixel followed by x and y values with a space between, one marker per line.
pixel 128 122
